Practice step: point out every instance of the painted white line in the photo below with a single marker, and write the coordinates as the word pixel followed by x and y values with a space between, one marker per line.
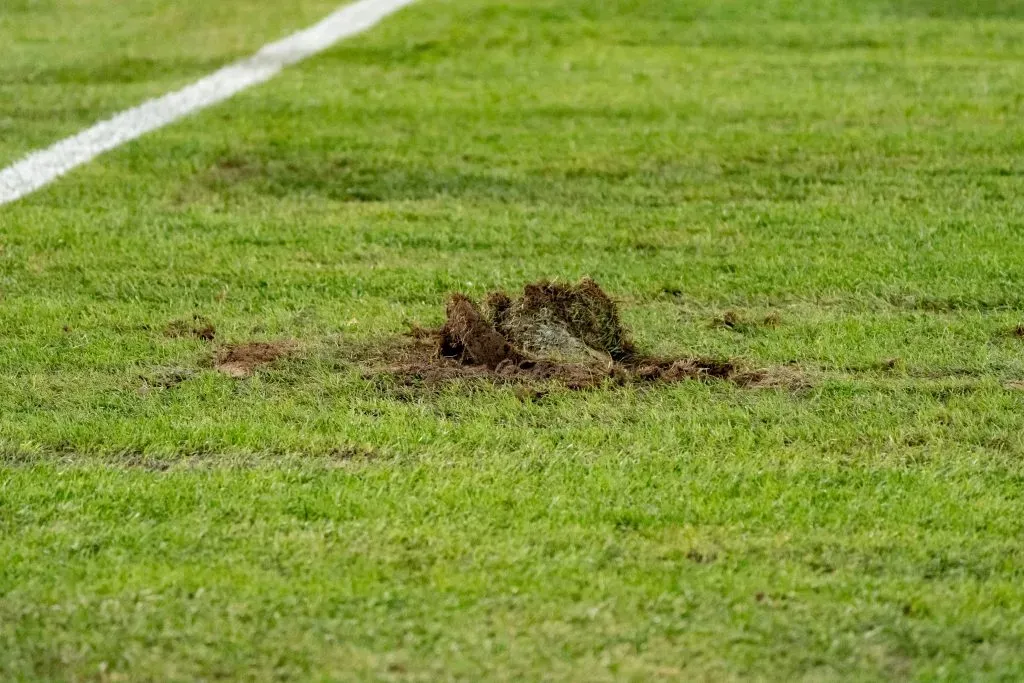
pixel 43 167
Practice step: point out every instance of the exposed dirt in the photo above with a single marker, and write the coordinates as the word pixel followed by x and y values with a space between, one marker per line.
pixel 242 360
pixel 469 338
pixel 570 334
pixel 198 327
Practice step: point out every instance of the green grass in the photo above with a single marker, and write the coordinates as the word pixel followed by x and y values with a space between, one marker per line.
pixel 851 166
pixel 69 63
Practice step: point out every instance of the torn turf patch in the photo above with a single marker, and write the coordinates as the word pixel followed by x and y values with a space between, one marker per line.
pixel 567 333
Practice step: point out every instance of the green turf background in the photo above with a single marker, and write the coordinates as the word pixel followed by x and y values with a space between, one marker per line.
pixel 853 167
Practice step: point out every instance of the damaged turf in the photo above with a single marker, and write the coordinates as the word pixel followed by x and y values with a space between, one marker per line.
pixel 571 334
pixel 198 327
pixel 242 360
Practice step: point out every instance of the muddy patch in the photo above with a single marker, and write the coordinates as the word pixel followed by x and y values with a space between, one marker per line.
pixel 571 334
pixel 242 360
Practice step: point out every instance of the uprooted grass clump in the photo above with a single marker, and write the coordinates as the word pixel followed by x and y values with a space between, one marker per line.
pixel 570 333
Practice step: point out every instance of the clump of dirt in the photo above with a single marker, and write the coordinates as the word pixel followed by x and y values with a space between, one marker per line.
pixel 563 322
pixel 471 339
pixel 198 327
pixel 569 333
pixel 242 360
pixel 552 322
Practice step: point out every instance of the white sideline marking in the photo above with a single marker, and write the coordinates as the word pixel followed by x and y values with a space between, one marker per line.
pixel 44 166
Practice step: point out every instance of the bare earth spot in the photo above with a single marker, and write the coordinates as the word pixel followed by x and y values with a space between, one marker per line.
pixel 198 327
pixel 241 360
pixel 570 334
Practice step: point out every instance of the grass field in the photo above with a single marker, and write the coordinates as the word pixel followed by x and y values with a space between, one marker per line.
pixel 851 168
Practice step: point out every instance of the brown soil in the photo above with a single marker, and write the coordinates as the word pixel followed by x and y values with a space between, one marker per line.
pixel 570 334
pixel 241 360
pixel 469 338
pixel 198 327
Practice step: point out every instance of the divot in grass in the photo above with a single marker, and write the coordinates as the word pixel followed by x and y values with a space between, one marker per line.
pixel 554 332
pixel 571 334
pixel 198 327
pixel 242 360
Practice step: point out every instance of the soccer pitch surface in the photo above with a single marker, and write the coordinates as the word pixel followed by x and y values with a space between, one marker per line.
pixel 830 187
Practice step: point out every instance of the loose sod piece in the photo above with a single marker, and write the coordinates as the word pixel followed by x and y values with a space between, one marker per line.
pixel 554 331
